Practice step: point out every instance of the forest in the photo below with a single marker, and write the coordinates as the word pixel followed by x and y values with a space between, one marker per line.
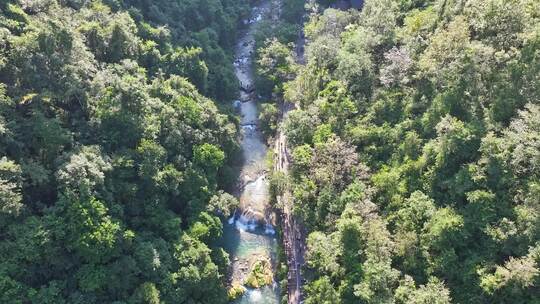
pixel 115 149
pixel 415 146
pixel 414 143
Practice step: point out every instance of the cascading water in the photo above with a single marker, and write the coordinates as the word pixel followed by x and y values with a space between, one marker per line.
pixel 249 234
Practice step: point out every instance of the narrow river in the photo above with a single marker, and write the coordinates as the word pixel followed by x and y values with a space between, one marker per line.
pixel 249 235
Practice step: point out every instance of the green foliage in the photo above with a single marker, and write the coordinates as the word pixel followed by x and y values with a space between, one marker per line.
pixel 110 154
pixel 223 204
pixel 195 39
pixel 207 228
pixel 268 119
pixel 322 134
pixel 235 292
pixel 197 278
pixel 415 152
pixel 321 291
pixel 323 253
pixel 302 156
pixel 299 127
pixel 293 11
pixel 415 149
pixel 147 293
pixel 260 274
pixel 88 230
pixel 10 187
pixel 276 65
pixel 433 292
pixel 208 156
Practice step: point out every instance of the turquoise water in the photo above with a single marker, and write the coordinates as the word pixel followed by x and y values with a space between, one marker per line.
pixel 249 234
pixel 243 245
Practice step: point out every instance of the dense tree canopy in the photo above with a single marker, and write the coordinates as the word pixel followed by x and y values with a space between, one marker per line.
pixel 414 144
pixel 111 158
pixel 415 151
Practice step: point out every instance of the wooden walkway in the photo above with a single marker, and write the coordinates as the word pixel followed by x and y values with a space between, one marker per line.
pixel 293 236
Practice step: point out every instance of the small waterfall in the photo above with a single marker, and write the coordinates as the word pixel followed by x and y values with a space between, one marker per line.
pixel 250 234
pixel 231 219
pixel 252 221
pixel 249 127
pixel 246 222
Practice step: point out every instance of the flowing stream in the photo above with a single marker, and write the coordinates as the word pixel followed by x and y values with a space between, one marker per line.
pixel 249 234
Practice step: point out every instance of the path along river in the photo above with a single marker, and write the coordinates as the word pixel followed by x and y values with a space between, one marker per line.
pixel 249 234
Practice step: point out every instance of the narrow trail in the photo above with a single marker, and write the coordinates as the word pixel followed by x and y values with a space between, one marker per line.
pixel 294 240
pixel 293 236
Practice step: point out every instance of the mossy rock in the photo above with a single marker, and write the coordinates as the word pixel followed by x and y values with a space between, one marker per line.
pixel 235 291
pixel 260 274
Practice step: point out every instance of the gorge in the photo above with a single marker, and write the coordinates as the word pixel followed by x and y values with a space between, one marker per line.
pixel 249 236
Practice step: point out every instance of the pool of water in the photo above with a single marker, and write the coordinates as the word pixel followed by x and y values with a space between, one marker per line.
pixel 249 234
